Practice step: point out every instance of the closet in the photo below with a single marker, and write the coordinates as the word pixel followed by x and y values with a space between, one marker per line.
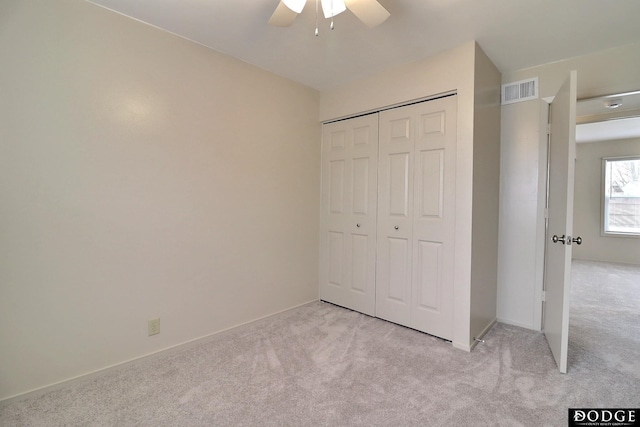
pixel 388 214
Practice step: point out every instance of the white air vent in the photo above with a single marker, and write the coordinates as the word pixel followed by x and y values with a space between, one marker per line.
pixel 520 91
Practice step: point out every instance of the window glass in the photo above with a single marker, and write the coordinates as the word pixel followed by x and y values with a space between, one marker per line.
pixel 622 196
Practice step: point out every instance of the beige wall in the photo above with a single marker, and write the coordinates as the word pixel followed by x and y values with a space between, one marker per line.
pixel 601 73
pixel 522 204
pixel 141 176
pixel 442 73
pixel 486 190
pixel 523 145
pixel 587 211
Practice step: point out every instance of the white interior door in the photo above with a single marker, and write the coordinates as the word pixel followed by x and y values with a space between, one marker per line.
pixel 348 217
pixel 560 224
pixel 416 216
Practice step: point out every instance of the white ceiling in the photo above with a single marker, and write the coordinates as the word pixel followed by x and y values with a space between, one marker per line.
pixel 597 122
pixel 516 34
pixel 610 130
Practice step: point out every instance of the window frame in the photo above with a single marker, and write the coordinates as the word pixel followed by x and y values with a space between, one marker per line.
pixel 603 200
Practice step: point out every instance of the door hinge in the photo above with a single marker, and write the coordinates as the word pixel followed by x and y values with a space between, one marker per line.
pixel 548 128
pixel 546 213
pixel 544 296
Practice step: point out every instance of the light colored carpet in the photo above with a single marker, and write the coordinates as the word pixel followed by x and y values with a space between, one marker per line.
pixel 322 365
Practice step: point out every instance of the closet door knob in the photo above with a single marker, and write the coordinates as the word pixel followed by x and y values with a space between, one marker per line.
pixel 358 225
pixel 396 227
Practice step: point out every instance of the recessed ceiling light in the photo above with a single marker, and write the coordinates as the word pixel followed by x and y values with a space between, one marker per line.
pixel 614 103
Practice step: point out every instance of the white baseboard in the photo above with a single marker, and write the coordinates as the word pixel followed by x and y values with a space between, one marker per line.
pixel 459 346
pixel 518 324
pixel 483 333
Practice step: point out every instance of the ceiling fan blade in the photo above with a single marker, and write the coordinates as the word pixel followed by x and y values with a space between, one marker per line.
pixel 370 12
pixel 283 16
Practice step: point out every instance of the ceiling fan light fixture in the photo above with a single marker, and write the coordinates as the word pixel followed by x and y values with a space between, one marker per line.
pixel 295 5
pixel 370 12
pixel 331 8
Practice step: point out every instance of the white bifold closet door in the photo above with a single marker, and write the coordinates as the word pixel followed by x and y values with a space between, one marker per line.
pixel 416 214
pixel 348 216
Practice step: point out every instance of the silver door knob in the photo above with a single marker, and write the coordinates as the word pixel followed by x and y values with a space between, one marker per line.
pixel 396 227
pixel 577 240
pixel 556 239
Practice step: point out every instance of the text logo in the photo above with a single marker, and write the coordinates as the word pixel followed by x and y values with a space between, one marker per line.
pixel 597 417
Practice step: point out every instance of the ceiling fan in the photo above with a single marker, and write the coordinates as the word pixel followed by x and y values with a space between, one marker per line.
pixel 370 12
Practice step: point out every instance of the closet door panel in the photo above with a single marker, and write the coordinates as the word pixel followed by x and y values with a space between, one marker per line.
pixel 398 256
pixel 415 216
pixel 336 186
pixel 431 183
pixel 393 285
pixel 336 259
pixel 395 211
pixel 361 178
pixel 434 215
pixel 399 184
pixel 360 273
pixel 348 216
pixel 429 275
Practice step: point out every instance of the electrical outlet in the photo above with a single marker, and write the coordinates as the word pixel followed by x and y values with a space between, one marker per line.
pixel 154 326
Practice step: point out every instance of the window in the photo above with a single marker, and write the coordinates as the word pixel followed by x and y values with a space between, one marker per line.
pixel 621 206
